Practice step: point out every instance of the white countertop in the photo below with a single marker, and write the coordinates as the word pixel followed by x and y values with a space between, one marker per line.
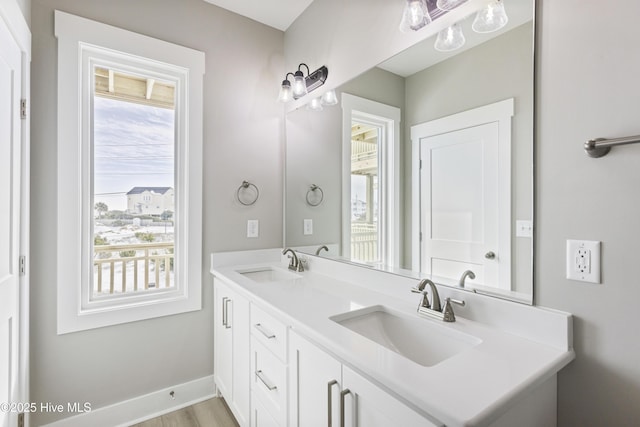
pixel 472 388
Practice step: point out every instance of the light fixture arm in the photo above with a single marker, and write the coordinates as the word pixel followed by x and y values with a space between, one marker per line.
pixel 306 66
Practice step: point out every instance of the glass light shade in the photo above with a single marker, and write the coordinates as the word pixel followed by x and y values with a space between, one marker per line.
pixel 285 94
pixel 450 38
pixel 491 18
pixel 315 104
pixel 329 98
pixel 299 85
pixel 415 16
pixel 449 4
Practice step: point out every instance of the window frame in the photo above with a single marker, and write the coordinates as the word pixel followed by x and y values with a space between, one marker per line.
pixel 82 42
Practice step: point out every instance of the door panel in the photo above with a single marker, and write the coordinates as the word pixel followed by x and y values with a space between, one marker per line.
pixel 460 204
pixel 10 144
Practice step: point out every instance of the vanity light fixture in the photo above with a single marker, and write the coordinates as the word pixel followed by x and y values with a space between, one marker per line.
pixel 415 15
pixel 449 4
pixel 450 38
pixel 286 93
pixel 301 84
pixel 491 18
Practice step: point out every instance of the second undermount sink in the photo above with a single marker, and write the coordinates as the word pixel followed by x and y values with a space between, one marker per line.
pixel 421 340
pixel 268 274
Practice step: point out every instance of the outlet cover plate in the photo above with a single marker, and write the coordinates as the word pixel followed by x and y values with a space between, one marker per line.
pixel 583 260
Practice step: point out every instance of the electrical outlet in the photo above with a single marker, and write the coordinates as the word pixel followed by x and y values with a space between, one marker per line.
pixel 583 260
pixel 253 228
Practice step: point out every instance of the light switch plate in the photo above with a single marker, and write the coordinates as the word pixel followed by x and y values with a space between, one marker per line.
pixel 524 228
pixel 308 227
pixel 253 228
pixel 583 260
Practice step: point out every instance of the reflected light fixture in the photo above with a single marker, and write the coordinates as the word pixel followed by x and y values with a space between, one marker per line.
pixel 415 15
pixel 315 104
pixel 301 84
pixel 329 98
pixel 491 18
pixel 449 4
pixel 450 38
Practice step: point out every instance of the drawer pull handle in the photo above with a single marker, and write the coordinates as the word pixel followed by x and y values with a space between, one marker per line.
pixel 342 396
pixel 264 331
pixel 226 323
pixel 265 381
pixel 330 384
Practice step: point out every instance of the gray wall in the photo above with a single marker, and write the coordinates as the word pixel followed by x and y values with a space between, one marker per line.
pixel 243 139
pixel 587 71
pixel 587 87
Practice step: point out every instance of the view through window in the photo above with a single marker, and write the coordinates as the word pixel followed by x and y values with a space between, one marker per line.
pixel 133 172
pixel 364 192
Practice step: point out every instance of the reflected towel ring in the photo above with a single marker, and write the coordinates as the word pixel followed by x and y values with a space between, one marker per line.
pixel 245 185
pixel 312 191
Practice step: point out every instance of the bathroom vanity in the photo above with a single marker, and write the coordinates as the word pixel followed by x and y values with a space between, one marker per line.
pixel 341 345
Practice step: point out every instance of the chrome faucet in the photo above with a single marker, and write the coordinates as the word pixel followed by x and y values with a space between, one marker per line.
pixel 470 274
pixel 321 248
pixel 295 263
pixel 434 308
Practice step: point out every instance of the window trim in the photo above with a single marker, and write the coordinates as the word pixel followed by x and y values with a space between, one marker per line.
pixel 77 41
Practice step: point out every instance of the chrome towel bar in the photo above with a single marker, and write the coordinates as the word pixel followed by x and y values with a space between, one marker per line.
pixel 600 146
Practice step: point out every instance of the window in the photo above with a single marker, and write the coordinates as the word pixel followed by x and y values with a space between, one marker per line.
pixel 129 176
pixel 371 181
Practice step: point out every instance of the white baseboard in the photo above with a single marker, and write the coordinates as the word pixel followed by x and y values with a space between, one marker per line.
pixel 143 407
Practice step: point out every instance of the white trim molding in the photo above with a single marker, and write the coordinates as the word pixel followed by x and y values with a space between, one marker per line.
pixel 81 42
pixel 142 408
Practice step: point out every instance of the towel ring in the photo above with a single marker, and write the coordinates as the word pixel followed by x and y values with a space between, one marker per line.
pixel 245 185
pixel 312 191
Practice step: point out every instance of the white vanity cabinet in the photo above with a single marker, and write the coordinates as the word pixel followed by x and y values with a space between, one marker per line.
pixel 232 349
pixel 319 384
pixel 269 369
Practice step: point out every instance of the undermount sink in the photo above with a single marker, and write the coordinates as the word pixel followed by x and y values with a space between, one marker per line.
pixel 421 340
pixel 268 274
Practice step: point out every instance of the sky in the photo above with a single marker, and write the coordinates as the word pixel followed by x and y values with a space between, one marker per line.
pixel 133 147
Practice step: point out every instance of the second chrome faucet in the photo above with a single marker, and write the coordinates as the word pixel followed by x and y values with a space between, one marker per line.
pixel 434 308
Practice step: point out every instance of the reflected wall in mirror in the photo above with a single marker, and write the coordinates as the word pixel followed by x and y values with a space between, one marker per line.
pixel 425 88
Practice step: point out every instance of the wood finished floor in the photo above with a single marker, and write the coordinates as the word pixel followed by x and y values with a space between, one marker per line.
pixel 210 413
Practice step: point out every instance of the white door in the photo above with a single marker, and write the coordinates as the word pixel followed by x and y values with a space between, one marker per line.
pixel 10 161
pixel 459 209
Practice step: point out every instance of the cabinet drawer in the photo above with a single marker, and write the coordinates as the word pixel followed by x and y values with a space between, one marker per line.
pixel 269 381
pixel 270 332
pixel 260 417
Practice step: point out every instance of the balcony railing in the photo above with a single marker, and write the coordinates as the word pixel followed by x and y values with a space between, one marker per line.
pixel 131 268
pixel 364 242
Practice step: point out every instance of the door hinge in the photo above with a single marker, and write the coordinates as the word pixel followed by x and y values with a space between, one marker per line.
pixel 21 419
pixel 23 109
pixel 421 236
pixel 420 164
pixel 22 262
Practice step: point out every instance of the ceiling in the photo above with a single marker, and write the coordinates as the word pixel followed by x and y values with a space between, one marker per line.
pixel 274 13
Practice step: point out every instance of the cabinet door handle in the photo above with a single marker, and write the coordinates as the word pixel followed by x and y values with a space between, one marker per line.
pixel 343 393
pixel 264 331
pixel 226 313
pixel 330 384
pixel 265 381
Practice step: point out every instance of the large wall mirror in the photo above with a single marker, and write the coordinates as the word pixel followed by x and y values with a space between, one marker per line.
pixel 425 166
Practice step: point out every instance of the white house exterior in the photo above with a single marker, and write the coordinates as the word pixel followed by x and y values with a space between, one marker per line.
pixel 150 200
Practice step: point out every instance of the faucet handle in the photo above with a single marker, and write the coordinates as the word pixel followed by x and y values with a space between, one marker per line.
pixel 447 310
